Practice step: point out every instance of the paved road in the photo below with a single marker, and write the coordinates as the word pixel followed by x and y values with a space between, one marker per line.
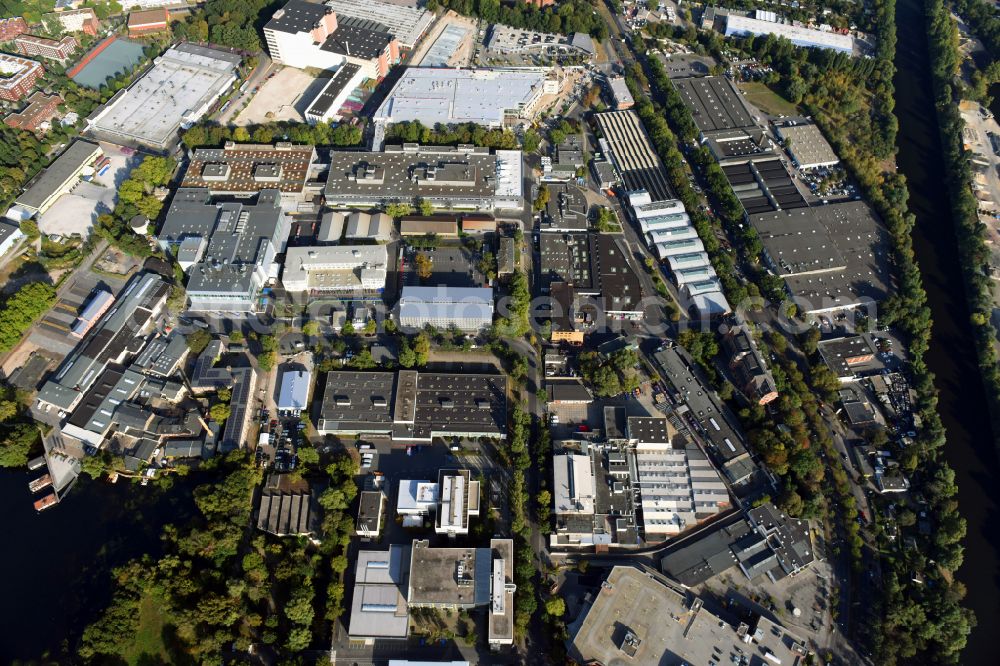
pixel 264 68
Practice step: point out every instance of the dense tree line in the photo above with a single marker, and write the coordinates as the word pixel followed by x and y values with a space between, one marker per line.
pixel 18 434
pixel 19 312
pixel 234 23
pixel 565 17
pixel 210 134
pixel 519 458
pixel 452 135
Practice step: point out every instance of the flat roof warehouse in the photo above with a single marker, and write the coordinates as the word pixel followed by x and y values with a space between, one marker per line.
pixel 178 89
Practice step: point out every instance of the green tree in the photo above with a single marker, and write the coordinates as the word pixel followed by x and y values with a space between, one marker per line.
pixel 555 607
pixel 16 444
pixel 198 340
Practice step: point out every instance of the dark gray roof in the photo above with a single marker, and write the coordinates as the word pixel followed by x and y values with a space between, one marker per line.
pixel 358 38
pixel 55 176
pixel 321 105
pixel 412 405
pixel 713 102
pixel 648 429
pixel 567 390
pixel 298 16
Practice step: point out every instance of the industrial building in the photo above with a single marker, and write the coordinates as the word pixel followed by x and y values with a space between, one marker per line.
pixel 287 507
pixel 413 406
pixel 637 616
pixel 667 229
pixel 590 265
pixel 458 501
pixel 453 578
pixel 706 412
pixel 493 97
pixel 466 308
pixel 247 168
pixel 60 177
pixel 762 542
pixel 406 22
pixel 832 257
pixel 445 176
pixel 416 498
pixel 507 40
pixel 375 227
pixel 40 110
pixel 308 34
pixel 632 154
pixel 327 104
pixel 371 510
pixel 677 484
pixel 762 184
pixel 227 249
pixel 500 623
pixel 293 395
pixel 766 23
pixel 335 269
pixel 573 484
pixel 806 144
pixel 212 372
pixel 59 50
pixel 183 84
pixel 10 235
pixel 18 76
pixel 621 96
pixel 714 103
pixel 850 357
pixel 118 336
pixel 566 210
pixel 437 226
pixel 379 609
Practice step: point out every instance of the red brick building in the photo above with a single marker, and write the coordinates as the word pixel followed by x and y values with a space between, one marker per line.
pixel 61 50
pixel 148 22
pixel 11 28
pixel 41 107
pixel 21 76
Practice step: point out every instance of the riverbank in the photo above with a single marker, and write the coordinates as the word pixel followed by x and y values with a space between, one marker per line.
pixel 952 358
pixel 57 565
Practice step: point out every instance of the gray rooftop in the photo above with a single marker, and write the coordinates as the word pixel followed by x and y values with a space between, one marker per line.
pixel 242 238
pixel 409 171
pixel 449 576
pixel 56 176
pixel 413 405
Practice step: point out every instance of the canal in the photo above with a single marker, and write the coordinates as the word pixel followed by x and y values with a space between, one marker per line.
pixel 971 447
pixel 56 565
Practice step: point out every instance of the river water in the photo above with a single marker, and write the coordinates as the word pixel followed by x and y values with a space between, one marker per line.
pixel 56 565
pixel 971 449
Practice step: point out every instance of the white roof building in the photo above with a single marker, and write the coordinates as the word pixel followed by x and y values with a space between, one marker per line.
pixel 176 92
pixel 669 232
pixel 379 608
pixel 796 34
pixel 678 488
pixel 335 269
pixel 573 484
pixel 458 501
pixel 416 498
pixel 468 308
pixel 484 96
pixel 293 395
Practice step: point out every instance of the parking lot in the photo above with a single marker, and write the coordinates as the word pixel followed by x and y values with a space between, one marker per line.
pixel 452 266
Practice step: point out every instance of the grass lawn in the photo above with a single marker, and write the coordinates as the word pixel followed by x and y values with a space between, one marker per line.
pixel 767 100
pixel 146 646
